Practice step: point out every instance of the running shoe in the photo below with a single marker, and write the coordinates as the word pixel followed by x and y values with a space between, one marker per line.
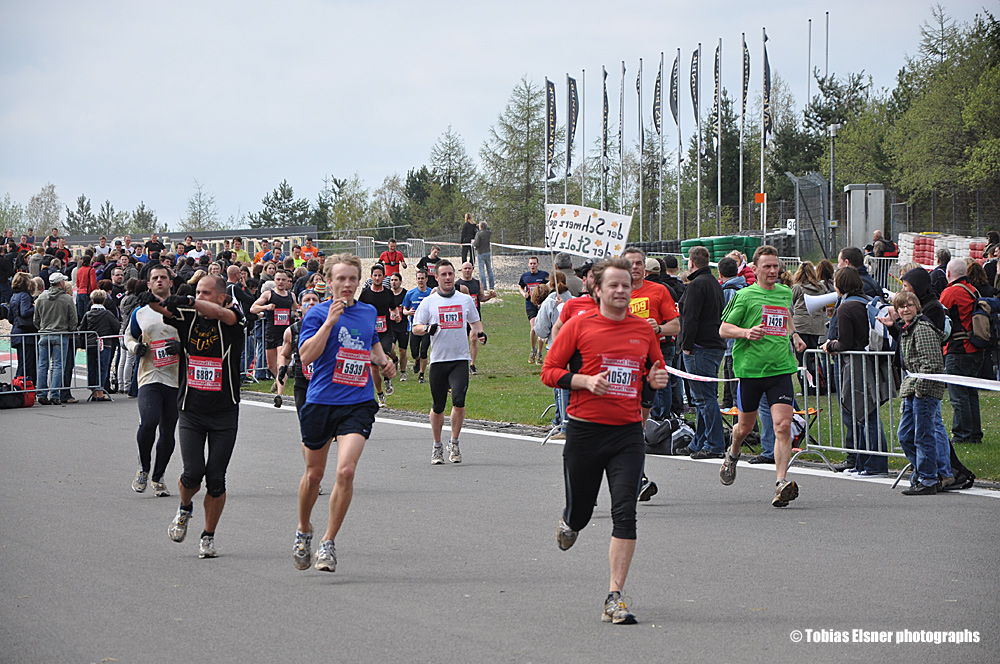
pixel 785 491
pixel 727 474
pixel 139 483
pixel 326 557
pixel 647 489
pixel 920 490
pixel 531 358
pixel 302 551
pixel 565 536
pixel 277 401
pixel 616 611
pixel 388 387
pixel 402 377
pixel 160 489
pixel 472 370
pixel 421 380
pixel 206 548
pixel 453 454
pixel 178 529
pixel 416 367
pixel 381 400
pixel 437 456
pixel 43 401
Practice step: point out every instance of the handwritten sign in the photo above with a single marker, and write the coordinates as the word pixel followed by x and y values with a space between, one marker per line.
pixel 584 231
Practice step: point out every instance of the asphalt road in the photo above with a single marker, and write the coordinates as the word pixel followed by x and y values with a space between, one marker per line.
pixel 458 563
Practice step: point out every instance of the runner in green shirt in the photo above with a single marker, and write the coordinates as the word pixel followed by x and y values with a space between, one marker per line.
pixel 759 318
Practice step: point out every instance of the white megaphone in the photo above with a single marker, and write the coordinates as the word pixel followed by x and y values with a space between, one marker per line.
pixel 816 302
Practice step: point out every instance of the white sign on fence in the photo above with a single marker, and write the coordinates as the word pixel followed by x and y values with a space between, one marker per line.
pixel 584 231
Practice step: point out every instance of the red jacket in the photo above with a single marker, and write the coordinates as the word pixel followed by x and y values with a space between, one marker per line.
pixel 86 280
pixel 959 299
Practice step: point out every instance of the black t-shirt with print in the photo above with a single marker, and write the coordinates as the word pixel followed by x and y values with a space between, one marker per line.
pixel 210 363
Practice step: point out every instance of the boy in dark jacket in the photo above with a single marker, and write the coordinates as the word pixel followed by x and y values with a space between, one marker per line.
pixel 100 346
pixel 920 348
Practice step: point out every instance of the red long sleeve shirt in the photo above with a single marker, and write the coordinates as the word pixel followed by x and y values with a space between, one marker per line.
pixel 589 344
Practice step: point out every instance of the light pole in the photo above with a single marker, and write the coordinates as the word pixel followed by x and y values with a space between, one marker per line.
pixel 832 130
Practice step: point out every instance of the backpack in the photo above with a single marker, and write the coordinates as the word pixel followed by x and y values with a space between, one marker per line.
pixel 667 437
pixel 985 332
pixel 26 386
pixel 879 338
pixel 11 397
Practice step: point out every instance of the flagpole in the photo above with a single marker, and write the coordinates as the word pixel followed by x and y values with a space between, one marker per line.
pixel 697 113
pixel 583 136
pixel 569 146
pixel 641 146
pixel 659 170
pixel 763 105
pixel 743 117
pixel 604 143
pixel 545 160
pixel 718 147
pixel 621 145
pixel 679 144
pixel 809 60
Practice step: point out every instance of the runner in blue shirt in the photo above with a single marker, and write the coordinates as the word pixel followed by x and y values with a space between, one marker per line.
pixel 418 345
pixel 338 337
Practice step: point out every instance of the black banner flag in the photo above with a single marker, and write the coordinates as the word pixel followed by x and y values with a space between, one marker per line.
pixel 658 104
pixel 746 77
pixel 767 94
pixel 694 85
pixel 550 130
pixel 574 114
pixel 674 86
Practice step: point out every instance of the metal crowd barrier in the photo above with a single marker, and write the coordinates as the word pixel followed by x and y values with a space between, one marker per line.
pixel 872 375
pixel 885 272
pixel 8 359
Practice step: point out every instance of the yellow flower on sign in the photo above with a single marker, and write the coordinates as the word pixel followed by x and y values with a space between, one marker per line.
pixel 598 243
pixel 562 212
pixel 618 247
pixel 576 213
pixel 565 233
pixel 614 224
pixel 594 214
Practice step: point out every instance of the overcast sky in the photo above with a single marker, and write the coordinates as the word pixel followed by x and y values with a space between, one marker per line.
pixel 131 101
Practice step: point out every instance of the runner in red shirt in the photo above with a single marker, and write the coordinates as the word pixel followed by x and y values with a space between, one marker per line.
pixel 392 259
pixel 608 352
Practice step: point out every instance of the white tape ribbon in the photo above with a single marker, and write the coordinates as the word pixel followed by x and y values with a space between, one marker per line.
pixel 966 381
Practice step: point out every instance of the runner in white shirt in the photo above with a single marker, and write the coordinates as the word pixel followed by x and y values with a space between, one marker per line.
pixel 444 315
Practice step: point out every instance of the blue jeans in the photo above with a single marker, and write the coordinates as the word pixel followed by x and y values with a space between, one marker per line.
pixel 562 401
pixel 942 444
pixel 965 425
pixel 867 435
pixel 664 396
pixel 708 436
pixel 81 305
pixel 51 350
pixel 486 263
pixel 917 436
pixel 98 366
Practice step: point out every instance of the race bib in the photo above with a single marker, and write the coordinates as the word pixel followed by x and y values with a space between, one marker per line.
pixel 475 299
pixel 307 371
pixel 205 373
pixel 451 317
pixel 623 374
pixel 380 325
pixel 160 356
pixel 432 269
pixel 282 316
pixel 775 321
pixel 352 367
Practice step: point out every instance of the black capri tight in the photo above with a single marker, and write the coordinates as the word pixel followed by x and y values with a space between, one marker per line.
pixel 449 374
pixel 220 430
pixel 592 450
pixel 419 346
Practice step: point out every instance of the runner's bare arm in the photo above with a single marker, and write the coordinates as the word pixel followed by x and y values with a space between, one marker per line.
pixel 211 310
pixel 730 331
pixel 671 327
pixel 262 303
pixel 382 360
pixel 312 348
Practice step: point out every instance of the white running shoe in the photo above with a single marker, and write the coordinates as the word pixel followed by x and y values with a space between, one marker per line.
pixel 453 454
pixel 388 387
pixel 206 548
pixel 326 557
pixel 139 483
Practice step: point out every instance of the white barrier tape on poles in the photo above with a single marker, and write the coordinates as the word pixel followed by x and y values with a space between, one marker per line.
pixel 700 379
pixel 521 247
pixel 965 381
